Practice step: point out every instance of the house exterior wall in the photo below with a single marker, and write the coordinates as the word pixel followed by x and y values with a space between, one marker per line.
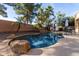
pixel 9 26
pixel 77 23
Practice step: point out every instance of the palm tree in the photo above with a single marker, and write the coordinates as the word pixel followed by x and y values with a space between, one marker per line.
pixel 60 18
pixel 44 17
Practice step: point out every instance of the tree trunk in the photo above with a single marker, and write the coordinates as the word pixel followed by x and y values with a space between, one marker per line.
pixel 19 25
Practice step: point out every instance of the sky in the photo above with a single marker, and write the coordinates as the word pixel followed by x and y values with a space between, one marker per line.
pixel 69 9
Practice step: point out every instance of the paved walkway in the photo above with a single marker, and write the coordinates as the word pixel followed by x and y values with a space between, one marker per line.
pixel 65 47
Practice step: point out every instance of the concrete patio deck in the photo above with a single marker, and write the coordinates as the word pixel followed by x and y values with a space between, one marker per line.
pixel 65 47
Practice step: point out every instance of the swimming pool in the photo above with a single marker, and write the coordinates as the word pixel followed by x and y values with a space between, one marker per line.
pixel 42 40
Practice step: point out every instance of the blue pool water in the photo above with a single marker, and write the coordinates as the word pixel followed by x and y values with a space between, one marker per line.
pixel 42 40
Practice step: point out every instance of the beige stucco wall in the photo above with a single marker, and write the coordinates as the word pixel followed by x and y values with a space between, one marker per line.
pixel 77 23
pixel 8 26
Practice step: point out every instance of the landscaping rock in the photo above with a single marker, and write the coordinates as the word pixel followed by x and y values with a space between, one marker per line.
pixel 20 46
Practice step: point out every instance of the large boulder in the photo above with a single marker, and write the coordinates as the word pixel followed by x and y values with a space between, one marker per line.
pixel 20 46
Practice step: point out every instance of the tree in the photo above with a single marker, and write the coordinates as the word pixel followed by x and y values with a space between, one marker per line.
pixel 71 20
pixel 3 10
pixel 26 11
pixel 44 17
pixel 19 21
pixel 60 18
